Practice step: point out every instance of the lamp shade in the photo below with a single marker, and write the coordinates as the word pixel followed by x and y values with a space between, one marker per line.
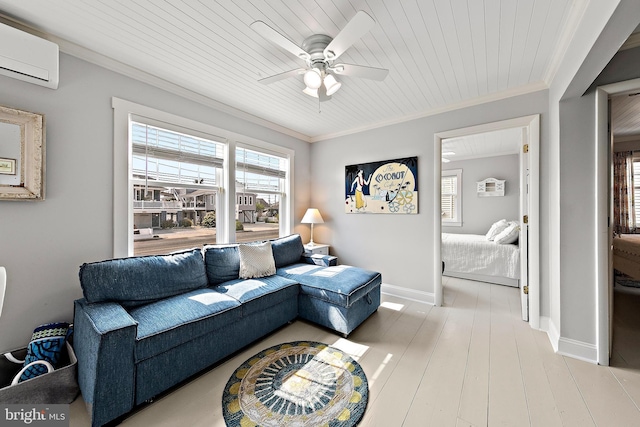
pixel 332 84
pixel 313 78
pixel 311 92
pixel 312 216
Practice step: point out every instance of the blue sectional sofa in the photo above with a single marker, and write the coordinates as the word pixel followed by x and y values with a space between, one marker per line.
pixel 147 323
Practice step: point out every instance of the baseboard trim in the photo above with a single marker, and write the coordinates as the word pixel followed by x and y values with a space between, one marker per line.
pixel 552 332
pixel 567 346
pixel 410 294
pixel 578 350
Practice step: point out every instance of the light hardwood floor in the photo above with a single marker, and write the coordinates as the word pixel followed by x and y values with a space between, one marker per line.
pixel 472 362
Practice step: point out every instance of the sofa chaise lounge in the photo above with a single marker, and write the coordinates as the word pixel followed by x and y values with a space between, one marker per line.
pixel 148 323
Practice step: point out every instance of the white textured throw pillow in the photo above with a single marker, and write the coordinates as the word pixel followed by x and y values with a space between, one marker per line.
pixel 508 235
pixel 256 261
pixel 496 228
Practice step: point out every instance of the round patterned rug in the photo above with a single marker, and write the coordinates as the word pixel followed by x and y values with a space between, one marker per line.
pixel 300 383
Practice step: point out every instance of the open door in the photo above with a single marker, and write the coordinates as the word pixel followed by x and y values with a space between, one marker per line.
pixel 530 191
pixel 610 227
pixel 524 228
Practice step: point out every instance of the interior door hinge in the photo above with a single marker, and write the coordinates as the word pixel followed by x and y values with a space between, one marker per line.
pixel 525 148
pixel 525 289
pixel 525 219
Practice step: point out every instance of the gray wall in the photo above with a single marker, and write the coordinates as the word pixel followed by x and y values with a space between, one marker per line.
pixel 478 213
pixel 44 243
pixel 572 145
pixel 400 246
pixel 577 148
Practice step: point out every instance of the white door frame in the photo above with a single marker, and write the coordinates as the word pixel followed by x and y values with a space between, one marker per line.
pixel 532 123
pixel 602 146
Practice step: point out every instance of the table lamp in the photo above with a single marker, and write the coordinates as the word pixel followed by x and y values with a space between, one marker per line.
pixel 312 216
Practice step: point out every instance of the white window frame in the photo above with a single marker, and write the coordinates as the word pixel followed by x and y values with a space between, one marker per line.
pixel 457 220
pixel 124 112
pixel 286 200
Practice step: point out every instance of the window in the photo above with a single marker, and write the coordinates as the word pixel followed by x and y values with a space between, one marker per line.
pixel 263 174
pixel 452 197
pixel 168 168
pixel 175 177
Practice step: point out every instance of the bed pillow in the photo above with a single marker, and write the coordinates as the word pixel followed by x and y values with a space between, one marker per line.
pixel 256 261
pixel 508 235
pixel 496 228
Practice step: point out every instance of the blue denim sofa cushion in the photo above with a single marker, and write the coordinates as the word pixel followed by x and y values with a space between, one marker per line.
pixel 287 250
pixel 222 263
pixel 144 279
pixel 341 285
pixel 173 321
pixel 260 294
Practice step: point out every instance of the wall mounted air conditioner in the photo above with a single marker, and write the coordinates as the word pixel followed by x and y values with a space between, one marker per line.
pixel 26 57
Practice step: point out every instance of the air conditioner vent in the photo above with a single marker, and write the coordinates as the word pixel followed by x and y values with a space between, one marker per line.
pixel 26 57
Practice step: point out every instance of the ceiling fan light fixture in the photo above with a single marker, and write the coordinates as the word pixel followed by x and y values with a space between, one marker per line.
pixel 310 92
pixel 332 84
pixel 313 78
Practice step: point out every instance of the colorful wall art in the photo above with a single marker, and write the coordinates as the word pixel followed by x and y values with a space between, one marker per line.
pixel 389 186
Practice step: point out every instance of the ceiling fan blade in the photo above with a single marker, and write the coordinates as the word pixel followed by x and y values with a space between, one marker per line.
pixel 282 76
pixel 360 71
pixel 275 37
pixel 353 31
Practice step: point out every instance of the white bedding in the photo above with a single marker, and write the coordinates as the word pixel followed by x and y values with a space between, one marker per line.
pixel 471 253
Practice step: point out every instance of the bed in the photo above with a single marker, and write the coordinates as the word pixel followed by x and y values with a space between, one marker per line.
pixel 472 256
pixel 626 254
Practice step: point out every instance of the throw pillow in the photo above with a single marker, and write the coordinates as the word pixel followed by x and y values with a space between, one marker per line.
pixel 508 235
pixel 256 261
pixel 496 228
pixel 47 342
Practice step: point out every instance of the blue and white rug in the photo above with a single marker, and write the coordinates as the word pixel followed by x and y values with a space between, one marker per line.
pixel 299 383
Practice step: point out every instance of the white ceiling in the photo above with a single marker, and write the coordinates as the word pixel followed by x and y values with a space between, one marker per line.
pixel 487 144
pixel 441 54
pixel 625 115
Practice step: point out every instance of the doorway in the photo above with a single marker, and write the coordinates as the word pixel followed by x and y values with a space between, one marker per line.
pixel 605 285
pixel 531 126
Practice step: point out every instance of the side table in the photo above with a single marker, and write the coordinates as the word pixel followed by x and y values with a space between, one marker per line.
pixel 316 248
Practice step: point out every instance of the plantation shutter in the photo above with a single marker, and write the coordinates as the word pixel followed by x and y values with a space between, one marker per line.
pixel 449 197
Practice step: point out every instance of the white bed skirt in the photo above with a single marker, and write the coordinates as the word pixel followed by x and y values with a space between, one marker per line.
pixel 471 256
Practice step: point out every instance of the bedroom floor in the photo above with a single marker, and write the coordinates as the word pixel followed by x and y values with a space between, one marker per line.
pixel 626 328
pixel 472 362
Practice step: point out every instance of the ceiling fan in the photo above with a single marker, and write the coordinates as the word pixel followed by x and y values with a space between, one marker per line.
pixel 320 52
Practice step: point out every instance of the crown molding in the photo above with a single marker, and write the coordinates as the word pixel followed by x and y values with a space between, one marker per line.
pixel 578 9
pixel 103 61
pixel 498 96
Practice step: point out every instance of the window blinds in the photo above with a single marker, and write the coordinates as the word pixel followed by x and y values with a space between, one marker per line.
pixel 170 156
pixel 449 197
pixel 260 171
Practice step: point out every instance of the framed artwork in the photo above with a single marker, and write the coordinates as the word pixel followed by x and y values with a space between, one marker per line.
pixel 7 166
pixel 22 155
pixel 388 186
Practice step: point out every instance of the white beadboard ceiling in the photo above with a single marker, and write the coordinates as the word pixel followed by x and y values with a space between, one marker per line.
pixel 625 116
pixel 442 54
pixel 487 144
